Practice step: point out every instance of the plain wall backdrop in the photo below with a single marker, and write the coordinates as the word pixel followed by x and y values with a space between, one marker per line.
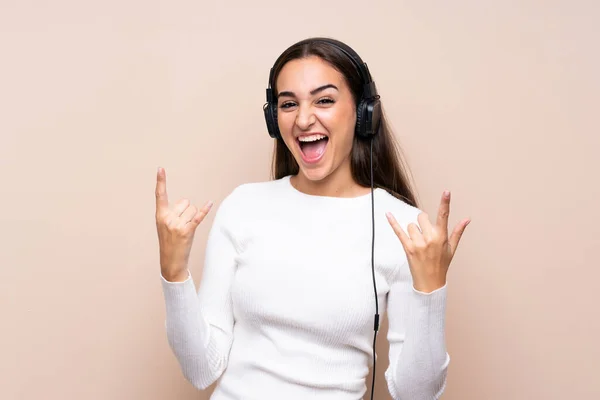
pixel 496 101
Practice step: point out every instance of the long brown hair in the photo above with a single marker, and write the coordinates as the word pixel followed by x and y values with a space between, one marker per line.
pixel 389 170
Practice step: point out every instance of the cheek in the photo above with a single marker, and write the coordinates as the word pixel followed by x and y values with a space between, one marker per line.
pixel 341 124
pixel 285 121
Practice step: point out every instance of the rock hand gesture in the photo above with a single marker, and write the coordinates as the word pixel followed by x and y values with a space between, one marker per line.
pixel 429 250
pixel 176 225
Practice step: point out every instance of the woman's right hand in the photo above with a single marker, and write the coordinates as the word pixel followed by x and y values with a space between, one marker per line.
pixel 176 226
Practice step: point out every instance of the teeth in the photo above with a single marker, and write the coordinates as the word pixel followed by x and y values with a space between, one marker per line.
pixel 311 138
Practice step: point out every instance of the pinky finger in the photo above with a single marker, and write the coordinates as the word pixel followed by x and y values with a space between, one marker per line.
pixel 457 234
pixel 201 214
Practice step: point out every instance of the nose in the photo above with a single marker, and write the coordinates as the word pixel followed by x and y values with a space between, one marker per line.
pixel 305 117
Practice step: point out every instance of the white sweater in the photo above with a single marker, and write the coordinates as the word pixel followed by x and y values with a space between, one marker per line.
pixel 285 307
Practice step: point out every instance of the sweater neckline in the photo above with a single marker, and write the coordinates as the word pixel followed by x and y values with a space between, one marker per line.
pixel 286 180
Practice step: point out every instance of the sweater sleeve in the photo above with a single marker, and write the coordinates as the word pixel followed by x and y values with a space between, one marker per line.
pixel 418 357
pixel 199 325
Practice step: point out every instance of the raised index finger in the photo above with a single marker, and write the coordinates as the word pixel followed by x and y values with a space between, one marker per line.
pixel 162 200
pixel 443 212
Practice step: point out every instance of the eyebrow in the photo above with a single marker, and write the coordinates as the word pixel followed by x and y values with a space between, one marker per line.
pixel 312 92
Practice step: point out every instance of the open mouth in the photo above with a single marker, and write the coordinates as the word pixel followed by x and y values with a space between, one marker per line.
pixel 312 147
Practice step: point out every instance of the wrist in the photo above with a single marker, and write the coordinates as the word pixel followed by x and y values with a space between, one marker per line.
pixel 176 276
pixel 428 287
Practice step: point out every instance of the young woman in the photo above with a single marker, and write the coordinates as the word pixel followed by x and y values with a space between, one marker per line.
pixel 286 303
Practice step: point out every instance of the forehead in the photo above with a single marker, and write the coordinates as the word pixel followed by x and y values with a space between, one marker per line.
pixel 305 74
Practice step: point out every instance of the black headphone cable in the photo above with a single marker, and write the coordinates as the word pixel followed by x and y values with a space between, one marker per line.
pixel 376 325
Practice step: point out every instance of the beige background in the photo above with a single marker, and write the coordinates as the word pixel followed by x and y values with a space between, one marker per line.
pixel 497 101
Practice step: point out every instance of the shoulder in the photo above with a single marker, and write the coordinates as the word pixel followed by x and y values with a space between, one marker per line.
pixel 250 196
pixel 403 212
pixel 259 188
pixel 255 191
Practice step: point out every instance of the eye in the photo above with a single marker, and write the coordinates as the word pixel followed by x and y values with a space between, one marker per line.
pixel 325 101
pixel 287 104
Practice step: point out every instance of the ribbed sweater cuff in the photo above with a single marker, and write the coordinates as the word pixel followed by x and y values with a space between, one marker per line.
pixel 435 298
pixel 429 313
pixel 179 296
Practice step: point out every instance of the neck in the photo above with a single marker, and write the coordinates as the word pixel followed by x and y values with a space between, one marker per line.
pixel 339 183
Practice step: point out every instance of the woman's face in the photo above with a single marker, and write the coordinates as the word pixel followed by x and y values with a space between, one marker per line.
pixel 317 115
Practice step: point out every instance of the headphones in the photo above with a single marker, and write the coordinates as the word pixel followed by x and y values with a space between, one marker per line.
pixel 368 110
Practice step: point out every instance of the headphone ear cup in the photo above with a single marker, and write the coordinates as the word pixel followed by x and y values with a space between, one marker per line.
pixel 373 117
pixel 368 117
pixel 270 111
pixel 275 120
pixel 360 121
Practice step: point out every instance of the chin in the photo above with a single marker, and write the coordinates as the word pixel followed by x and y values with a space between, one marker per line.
pixel 315 174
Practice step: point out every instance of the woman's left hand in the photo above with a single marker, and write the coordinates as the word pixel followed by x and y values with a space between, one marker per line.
pixel 429 250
